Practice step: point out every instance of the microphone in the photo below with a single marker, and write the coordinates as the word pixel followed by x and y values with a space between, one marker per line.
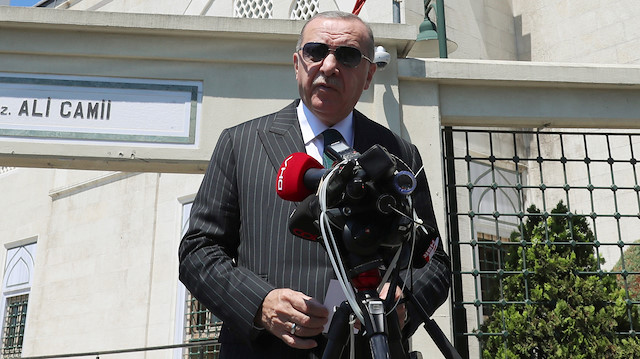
pixel 298 177
pixel 303 221
pixel 426 244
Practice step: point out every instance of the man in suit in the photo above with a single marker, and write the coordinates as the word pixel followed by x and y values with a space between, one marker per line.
pixel 238 258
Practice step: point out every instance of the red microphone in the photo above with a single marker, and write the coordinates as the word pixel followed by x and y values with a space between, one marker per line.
pixel 297 173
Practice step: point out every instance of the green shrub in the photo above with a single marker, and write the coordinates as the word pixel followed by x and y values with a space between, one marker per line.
pixel 632 267
pixel 566 307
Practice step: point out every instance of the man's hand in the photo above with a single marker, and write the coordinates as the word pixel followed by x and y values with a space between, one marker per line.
pixel 401 309
pixel 283 307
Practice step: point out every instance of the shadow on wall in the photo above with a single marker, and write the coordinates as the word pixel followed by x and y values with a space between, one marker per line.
pixel 523 42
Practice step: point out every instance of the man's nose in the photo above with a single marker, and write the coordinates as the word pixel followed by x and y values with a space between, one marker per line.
pixel 329 64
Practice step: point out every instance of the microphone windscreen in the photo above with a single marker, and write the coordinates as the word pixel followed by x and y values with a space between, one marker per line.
pixel 303 221
pixel 290 182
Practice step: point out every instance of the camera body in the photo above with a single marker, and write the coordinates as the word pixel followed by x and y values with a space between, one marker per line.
pixel 366 202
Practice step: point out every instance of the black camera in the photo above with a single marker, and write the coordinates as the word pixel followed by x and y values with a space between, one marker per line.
pixel 366 200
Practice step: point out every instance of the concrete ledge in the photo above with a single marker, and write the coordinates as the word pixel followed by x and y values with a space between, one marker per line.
pixel 519 73
pixel 400 36
pixel 525 94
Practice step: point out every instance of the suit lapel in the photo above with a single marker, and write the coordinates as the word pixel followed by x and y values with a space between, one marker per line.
pixel 362 138
pixel 368 133
pixel 282 136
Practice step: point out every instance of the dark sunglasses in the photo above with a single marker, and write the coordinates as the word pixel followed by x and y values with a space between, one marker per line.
pixel 346 55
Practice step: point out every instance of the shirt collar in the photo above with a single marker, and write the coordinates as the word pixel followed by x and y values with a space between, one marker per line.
pixel 311 126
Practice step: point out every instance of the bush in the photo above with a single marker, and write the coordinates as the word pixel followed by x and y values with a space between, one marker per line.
pixel 631 265
pixel 564 307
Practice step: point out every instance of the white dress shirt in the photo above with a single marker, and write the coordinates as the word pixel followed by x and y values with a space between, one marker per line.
pixel 311 128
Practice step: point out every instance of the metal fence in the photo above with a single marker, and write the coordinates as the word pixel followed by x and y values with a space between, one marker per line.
pixel 201 348
pixel 527 279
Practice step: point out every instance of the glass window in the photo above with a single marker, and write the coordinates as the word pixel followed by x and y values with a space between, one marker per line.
pixel 199 324
pixel 15 318
pixel 490 260
pixel 496 201
pixel 16 285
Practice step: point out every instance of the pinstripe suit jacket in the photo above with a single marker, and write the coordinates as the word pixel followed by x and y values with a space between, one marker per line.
pixel 238 247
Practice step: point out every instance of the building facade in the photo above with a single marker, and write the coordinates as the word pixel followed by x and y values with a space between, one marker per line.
pixel 91 223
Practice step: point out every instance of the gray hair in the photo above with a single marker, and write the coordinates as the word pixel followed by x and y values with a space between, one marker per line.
pixel 369 48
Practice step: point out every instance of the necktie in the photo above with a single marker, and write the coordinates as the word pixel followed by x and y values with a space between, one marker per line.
pixel 330 136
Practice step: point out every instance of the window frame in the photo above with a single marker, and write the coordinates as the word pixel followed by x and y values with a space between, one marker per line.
pixel 17 280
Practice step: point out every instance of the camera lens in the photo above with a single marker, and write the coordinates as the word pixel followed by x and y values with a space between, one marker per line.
pixel 404 182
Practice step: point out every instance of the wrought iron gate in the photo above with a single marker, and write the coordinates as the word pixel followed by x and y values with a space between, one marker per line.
pixel 586 190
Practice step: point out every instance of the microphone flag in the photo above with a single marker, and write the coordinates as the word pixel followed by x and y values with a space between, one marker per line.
pixel 290 184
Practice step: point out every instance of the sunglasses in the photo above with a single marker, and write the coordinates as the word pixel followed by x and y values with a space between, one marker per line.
pixel 346 55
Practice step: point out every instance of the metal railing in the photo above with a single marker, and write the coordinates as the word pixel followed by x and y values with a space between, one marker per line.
pixel 201 354
pixel 585 186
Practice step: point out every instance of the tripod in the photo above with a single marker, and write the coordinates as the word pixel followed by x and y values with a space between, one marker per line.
pixel 384 336
pixel 366 219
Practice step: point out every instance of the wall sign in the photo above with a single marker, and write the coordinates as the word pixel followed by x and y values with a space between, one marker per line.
pixel 99 109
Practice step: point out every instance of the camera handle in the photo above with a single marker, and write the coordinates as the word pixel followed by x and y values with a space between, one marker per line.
pixel 384 337
pixel 383 343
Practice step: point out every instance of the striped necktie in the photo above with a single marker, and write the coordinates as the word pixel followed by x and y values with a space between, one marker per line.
pixel 330 136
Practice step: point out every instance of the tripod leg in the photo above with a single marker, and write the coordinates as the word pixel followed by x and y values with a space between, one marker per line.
pixel 386 340
pixel 338 334
pixel 379 346
pixel 446 348
pixel 396 349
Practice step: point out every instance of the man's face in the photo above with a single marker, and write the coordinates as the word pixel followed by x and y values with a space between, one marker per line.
pixel 328 88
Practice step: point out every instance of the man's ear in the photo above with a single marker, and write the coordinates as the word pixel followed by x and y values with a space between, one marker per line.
pixel 370 72
pixel 295 63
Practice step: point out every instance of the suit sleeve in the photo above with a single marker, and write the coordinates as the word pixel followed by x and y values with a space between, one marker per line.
pixel 208 251
pixel 431 283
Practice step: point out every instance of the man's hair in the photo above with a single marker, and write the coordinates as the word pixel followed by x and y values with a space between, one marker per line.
pixel 369 48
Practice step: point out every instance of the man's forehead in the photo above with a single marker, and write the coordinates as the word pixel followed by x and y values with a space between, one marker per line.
pixel 335 29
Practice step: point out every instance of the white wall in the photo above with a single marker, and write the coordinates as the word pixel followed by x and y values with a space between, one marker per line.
pixel 107 265
pixel 483 29
pixel 592 31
